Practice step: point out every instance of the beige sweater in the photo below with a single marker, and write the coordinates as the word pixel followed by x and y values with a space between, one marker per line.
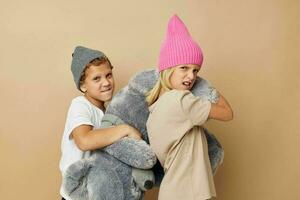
pixel 177 138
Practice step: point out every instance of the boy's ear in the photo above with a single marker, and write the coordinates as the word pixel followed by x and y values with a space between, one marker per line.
pixel 83 88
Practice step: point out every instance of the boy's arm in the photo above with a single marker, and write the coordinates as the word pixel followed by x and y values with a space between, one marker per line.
pixel 135 153
pixel 86 138
pixel 131 150
pixel 221 110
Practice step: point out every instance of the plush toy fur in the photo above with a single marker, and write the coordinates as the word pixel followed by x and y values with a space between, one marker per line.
pixel 122 170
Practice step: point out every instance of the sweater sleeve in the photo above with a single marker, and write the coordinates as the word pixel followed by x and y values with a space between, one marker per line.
pixel 195 108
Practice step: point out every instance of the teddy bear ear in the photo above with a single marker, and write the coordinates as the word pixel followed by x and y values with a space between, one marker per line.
pixel 144 81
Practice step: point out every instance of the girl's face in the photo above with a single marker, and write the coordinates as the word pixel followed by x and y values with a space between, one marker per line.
pixel 184 76
pixel 99 84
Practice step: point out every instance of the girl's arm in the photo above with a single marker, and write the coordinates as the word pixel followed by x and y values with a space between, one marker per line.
pixel 86 138
pixel 221 110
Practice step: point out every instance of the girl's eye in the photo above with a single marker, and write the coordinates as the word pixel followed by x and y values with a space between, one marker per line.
pixel 183 67
pixel 196 71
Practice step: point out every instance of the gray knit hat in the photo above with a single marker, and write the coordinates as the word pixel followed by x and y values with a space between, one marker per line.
pixel 81 57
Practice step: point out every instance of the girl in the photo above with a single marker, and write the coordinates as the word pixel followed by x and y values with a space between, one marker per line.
pixel 174 110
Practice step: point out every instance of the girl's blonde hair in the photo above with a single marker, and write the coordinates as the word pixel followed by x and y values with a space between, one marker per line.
pixel 163 83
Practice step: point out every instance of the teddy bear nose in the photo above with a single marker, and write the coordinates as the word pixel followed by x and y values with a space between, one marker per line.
pixel 148 184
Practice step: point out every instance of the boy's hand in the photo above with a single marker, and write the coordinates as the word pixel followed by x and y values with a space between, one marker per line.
pixel 133 133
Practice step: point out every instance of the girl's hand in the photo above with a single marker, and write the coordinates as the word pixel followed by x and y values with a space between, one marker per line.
pixel 221 110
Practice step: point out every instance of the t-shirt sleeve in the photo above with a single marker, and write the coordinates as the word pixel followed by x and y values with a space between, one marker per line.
pixel 195 108
pixel 79 114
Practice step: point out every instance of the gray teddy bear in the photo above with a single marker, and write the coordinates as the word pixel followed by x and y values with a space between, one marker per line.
pixel 127 168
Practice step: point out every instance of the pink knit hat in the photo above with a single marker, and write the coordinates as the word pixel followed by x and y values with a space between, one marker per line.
pixel 178 47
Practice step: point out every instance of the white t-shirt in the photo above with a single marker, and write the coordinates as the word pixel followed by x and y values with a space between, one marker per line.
pixel 81 111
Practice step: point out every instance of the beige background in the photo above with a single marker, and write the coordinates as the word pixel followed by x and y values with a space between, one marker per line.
pixel 251 55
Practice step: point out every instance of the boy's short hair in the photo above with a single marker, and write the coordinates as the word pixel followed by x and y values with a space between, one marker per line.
pixel 82 58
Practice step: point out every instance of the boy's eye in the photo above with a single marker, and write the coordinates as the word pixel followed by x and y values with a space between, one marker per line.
pixel 196 71
pixel 96 78
pixel 109 75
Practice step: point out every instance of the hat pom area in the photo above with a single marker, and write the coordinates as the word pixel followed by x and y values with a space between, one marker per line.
pixel 178 47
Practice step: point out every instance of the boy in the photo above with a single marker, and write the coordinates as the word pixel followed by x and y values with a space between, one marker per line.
pixel 92 73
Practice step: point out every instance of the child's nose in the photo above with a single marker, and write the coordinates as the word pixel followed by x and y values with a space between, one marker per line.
pixel 105 82
pixel 191 75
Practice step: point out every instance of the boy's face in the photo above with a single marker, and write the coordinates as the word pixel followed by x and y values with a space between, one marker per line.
pixel 99 84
